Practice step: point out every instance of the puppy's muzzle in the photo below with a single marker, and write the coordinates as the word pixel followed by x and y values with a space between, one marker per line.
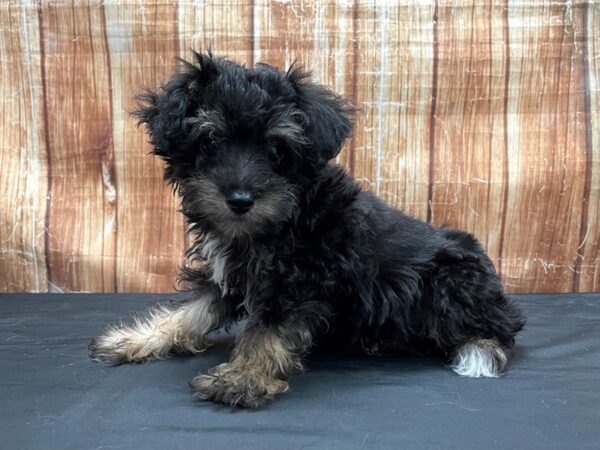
pixel 240 202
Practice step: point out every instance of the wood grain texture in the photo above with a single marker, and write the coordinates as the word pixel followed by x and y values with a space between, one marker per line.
pixel 587 258
pixel 143 43
pixel 394 89
pixel 546 146
pixel 80 223
pixel 482 115
pixel 217 25
pixel 468 172
pixel 23 179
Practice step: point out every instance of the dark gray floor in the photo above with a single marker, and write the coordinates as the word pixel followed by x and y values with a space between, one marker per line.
pixel 54 397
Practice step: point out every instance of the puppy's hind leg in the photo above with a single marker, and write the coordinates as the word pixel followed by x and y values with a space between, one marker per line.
pixel 471 319
pixel 177 327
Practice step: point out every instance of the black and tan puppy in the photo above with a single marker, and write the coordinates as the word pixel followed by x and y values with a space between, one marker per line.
pixel 295 247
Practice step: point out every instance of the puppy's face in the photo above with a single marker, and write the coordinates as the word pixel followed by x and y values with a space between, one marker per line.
pixel 239 187
pixel 241 145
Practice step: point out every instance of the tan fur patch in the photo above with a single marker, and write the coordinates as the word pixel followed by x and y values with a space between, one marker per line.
pixel 241 382
pixel 260 364
pixel 164 329
pixel 268 352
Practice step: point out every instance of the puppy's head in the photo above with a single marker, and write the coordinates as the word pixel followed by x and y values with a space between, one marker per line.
pixel 242 144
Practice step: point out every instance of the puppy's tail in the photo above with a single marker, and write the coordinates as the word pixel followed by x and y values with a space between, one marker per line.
pixel 480 358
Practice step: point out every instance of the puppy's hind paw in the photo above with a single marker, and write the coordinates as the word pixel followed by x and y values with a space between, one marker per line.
pixel 237 386
pixel 480 358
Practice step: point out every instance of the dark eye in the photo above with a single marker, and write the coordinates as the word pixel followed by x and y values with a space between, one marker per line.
pixel 281 159
pixel 210 149
pixel 274 155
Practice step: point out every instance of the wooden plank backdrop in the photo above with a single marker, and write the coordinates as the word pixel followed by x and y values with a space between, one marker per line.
pixel 480 114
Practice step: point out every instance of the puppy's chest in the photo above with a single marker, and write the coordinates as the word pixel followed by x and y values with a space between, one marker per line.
pixel 221 263
pixel 234 271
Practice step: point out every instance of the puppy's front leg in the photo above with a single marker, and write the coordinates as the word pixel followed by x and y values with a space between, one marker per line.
pixel 176 327
pixel 262 360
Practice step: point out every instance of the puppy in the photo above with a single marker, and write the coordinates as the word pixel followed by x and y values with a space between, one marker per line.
pixel 291 244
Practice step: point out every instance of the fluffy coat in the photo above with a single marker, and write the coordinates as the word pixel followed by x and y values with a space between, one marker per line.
pixel 291 243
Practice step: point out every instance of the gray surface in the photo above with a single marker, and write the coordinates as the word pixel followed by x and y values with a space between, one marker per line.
pixel 54 397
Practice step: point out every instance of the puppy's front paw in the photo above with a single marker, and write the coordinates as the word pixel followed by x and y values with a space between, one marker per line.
pixel 103 350
pixel 122 344
pixel 237 386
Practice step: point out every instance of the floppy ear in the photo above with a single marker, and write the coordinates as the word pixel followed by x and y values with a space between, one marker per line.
pixel 328 116
pixel 169 114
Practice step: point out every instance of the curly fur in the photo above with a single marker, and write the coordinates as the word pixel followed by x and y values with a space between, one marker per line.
pixel 315 261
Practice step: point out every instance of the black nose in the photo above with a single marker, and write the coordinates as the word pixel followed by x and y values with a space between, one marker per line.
pixel 240 202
